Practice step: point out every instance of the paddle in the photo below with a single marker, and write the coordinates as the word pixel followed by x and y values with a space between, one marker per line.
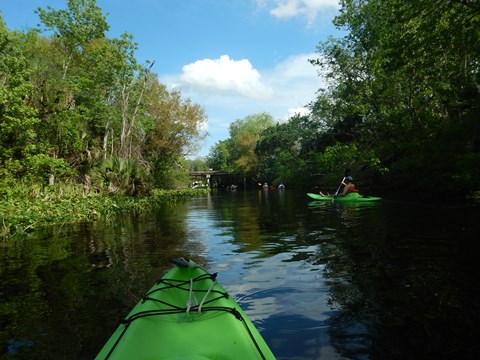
pixel 336 194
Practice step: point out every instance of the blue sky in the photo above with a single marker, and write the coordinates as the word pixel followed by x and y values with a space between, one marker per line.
pixel 233 57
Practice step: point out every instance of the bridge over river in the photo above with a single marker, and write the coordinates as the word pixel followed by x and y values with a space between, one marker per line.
pixel 217 178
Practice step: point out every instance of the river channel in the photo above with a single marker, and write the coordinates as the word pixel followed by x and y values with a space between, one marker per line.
pixel 320 280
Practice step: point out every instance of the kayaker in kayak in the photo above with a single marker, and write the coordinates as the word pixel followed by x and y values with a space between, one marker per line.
pixel 348 187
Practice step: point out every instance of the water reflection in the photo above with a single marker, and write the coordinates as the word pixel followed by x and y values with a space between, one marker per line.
pixel 398 289
pixel 320 280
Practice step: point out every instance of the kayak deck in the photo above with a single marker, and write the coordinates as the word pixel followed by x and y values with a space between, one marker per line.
pixel 187 314
pixel 353 196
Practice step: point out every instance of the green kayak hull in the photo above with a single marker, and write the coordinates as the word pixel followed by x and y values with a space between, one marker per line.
pixel 350 197
pixel 187 314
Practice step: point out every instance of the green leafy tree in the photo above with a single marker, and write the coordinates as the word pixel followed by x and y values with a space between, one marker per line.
pixel 285 150
pixel 338 157
pixel 219 157
pixel 17 118
pixel 74 27
pixel 132 81
pixel 59 76
pixel 244 135
pixel 175 127
pixel 97 98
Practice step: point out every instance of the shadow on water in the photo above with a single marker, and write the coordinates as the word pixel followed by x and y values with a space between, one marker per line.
pixel 404 283
pixel 320 280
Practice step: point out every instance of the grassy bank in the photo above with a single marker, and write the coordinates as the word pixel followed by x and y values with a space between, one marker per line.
pixel 25 208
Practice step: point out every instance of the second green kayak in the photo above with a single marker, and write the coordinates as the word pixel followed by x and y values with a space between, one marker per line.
pixel 187 314
pixel 353 197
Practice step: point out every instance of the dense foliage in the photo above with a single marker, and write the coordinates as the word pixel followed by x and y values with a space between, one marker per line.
pixel 25 208
pixel 237 153
pixel 407 78
pixel 76 106
pixel 285 150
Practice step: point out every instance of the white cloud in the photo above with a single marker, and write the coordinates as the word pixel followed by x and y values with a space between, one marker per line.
pixel 225 76
pixel 285 9
pixel 231 90
pixel 296 82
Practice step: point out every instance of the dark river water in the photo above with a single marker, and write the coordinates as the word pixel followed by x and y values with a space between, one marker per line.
pixel 393 280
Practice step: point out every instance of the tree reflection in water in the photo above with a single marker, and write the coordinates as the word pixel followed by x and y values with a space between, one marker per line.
pixel 402 290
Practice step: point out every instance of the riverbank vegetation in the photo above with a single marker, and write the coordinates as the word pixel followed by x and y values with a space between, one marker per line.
pixel 82 123
pixel 23 208
pixel 400 108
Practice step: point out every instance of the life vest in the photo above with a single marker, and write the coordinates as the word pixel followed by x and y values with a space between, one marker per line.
pixel 349 190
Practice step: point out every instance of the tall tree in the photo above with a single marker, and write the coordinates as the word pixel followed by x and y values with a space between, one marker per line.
pixel 74 27
pixel 285 150
pixel 219 157
pixel 175 127
pixel 59 76
pixel 17 118
pixel 244 134
pixel 132 82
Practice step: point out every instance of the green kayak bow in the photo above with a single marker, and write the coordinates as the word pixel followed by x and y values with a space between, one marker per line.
pixel 187 314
